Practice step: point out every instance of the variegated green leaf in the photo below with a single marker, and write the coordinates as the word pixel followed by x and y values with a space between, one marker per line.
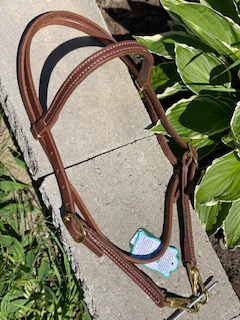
pixel 221 181
pixel 217 31
pixel 228 140
pixel 212 217
pixel 227 8
pixel 197 117
pixel 170 91
pixel 235 125
pixel 208 214
pixel 231 226
pixel 163 44
pixel 164 75
pixel 166 80
pixel 201 71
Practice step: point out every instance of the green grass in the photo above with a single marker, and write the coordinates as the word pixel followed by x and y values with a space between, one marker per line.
pixel 36 280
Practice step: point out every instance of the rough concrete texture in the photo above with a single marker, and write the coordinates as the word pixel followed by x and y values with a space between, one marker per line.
pixel 101 130
pixel 124 189
pixel 115 164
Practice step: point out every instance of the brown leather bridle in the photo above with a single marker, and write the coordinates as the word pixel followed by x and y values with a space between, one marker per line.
pixel 84 229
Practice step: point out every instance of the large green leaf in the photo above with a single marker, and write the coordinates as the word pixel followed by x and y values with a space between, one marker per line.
pixel 201 71
pixel 11 208
pixel 170 91
pixel 231 226
pixel 163 44
pixel 197 117
pixel 50 294
pixel 2 170
pixel 204 146
pixel 235 125
pixel 213 216
pixel 221 181
pixel 208 214
pixel 226 7
pixel 30 260
pixel 217 31
pixel 164 75
pixel 228 140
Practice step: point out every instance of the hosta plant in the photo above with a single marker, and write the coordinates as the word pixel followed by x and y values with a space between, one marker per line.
pixel 200 61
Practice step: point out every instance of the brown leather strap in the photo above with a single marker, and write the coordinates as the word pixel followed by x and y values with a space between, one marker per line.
pixel 87 231
pixel 84 69
pixel 187 162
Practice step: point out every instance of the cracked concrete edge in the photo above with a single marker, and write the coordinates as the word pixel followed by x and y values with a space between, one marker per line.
pixel 22 141
pixel 18 130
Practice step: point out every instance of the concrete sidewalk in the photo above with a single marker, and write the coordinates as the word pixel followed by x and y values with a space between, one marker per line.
pixel 115 164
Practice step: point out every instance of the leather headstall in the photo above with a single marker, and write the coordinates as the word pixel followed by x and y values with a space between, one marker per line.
pixel 82 227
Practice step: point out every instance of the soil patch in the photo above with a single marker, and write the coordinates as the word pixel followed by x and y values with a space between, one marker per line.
pixel 146 17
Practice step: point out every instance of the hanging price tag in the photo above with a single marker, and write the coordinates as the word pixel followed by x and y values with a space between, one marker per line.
pixel 143 243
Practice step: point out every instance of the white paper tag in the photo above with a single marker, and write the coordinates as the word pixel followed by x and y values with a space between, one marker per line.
pixel 143 243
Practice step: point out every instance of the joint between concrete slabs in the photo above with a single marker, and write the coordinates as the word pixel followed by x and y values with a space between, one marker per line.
pixel 99 155
pixel 237 317
pixel 110 150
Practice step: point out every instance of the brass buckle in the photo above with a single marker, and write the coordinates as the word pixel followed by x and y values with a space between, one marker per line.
pixel 189 308
pixel 67 219
pixel 197 284
pixel 181 303
pixel 199 294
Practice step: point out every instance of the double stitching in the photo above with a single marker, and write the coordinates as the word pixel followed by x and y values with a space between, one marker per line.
pixel 140 281
pixel 53 108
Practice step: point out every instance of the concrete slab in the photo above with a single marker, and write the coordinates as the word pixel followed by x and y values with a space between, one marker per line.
pixel 124 190
pixel 118 168
pixel 103 126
